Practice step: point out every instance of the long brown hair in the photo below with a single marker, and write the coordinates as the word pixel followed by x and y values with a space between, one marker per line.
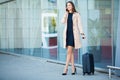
pixel 73 9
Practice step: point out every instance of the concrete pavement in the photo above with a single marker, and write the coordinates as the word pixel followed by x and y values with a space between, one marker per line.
pixel 21 67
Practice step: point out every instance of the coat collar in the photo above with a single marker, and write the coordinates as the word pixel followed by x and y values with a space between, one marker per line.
pixel 73 15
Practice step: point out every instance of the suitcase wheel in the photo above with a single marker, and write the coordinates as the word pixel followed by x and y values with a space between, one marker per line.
pixel 83 74
pixel 88 73
pixel 92 73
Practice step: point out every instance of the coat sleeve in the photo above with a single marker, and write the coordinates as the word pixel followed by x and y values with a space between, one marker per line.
pixel 64 19
pixel 80 25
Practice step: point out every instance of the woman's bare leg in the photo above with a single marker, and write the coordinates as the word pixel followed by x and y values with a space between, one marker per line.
pixel 68 59
pixel 72 62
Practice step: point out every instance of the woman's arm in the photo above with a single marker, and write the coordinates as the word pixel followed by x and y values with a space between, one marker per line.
pixel 80 26
pixel 64 19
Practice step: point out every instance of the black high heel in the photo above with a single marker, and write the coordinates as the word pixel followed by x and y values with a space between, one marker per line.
pixel 65 72
pixel 75 71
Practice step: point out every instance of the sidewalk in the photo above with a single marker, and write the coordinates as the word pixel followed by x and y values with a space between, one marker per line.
pixel 20 67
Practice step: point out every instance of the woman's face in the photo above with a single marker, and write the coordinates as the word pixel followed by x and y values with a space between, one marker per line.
pixel 69 6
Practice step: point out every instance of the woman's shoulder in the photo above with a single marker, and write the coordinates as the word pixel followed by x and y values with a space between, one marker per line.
pixel 77 13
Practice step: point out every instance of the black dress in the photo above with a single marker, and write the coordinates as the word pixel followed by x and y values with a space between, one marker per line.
pixel 69 34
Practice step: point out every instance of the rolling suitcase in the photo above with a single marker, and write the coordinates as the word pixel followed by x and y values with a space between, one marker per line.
pixel 88 63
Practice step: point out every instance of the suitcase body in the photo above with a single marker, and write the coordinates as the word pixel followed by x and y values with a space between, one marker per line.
pixel 88 63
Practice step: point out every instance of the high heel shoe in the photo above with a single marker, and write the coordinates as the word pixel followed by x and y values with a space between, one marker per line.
pixel 75 71
pixel 65 73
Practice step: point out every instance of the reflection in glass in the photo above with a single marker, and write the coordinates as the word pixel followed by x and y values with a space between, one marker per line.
pixel 49 33
pixel 99 30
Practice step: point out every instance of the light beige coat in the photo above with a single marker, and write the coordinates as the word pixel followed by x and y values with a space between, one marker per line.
pixel 77 29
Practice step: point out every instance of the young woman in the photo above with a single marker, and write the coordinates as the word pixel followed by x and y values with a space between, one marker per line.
pixel 71 34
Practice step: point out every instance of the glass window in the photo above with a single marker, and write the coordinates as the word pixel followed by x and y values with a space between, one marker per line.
pixel 34 28
pixel 100 31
